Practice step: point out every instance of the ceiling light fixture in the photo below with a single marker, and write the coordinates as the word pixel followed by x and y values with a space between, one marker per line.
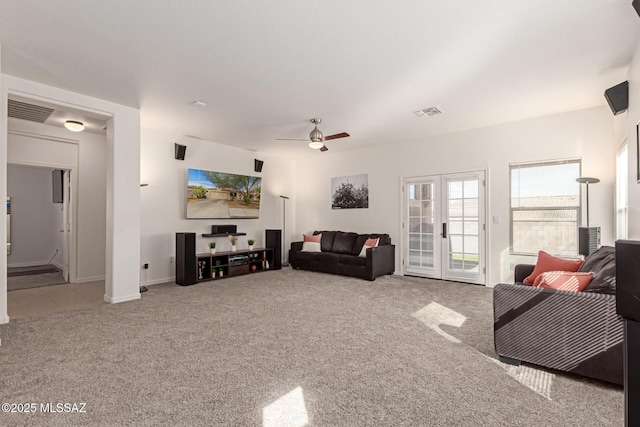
pixel 74 126
pixel 316 145
pixel 316 135
pixel 428 112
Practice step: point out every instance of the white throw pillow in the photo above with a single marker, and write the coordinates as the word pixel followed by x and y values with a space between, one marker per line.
pixel 311 247
pixel 369 243
pixel 312 243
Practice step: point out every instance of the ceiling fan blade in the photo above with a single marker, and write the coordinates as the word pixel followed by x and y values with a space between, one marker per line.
pixel 336 136
pixel 324 148
pixel 291 139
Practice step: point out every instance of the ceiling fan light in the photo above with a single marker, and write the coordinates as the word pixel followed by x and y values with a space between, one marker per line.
pixel 316 145
pixel 74 126
pixel 316 135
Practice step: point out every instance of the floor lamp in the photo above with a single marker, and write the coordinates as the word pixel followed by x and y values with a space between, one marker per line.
pixel 284 229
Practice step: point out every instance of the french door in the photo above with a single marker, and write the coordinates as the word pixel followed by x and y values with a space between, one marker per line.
pixel 444 227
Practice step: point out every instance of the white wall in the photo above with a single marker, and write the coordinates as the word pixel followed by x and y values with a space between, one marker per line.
pixel 628 130
pixel 34 216
pixel 587 134
pixel 39 144
pixel 163 201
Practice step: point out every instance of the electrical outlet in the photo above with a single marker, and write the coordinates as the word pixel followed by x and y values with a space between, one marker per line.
pixel 172 259
pixel 146 265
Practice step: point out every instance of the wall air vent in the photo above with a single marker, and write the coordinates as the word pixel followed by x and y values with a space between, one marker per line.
pixel 428 112
pixel 25 111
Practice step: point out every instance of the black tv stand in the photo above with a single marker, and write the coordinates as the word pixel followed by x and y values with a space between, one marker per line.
pixel 192 268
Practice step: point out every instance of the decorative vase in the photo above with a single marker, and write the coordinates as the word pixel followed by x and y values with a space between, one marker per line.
pixel 233 248
pixel 212 250
pixel 250 247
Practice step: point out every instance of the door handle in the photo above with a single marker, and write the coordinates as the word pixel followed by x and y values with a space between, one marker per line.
pixel 444 230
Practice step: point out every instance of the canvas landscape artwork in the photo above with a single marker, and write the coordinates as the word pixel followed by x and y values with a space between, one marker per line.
pixel 350 192
pixel 218 195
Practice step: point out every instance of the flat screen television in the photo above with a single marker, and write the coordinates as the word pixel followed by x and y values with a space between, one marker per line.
pixel 219 195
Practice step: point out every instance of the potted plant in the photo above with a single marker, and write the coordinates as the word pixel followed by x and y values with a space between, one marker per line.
pixel 251 242
pixel 212 247
pixel 233 239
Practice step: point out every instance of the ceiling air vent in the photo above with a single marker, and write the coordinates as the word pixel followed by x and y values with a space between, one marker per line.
pixel 24 111
pixel 428 112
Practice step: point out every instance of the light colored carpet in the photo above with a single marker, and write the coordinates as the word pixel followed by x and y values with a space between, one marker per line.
pixel 289 348
pixel 45 275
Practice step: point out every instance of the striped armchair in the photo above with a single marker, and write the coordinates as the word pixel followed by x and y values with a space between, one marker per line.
pixel 576 332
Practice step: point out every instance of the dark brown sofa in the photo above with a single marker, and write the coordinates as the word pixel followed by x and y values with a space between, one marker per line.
pixel 340 252
pixel 577 332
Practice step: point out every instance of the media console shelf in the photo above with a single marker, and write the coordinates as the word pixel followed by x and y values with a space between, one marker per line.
pixel 192 268
pixel 224 234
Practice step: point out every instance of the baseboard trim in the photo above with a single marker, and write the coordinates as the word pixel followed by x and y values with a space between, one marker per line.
pixel 125 298
pixel 28 263
pixel 159 281
pixel 4 319
pixel 89 279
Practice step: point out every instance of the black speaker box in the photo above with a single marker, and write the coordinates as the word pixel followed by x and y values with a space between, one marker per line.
pixel 618 97
pixel 588 240
pixel 181 150
pixel 224 229
pixel 636 6
pixel 257 165
pixel 628 279
pixel 273 240
pixel 186 264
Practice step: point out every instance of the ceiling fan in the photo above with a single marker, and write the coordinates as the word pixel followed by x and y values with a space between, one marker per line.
pixel 316 137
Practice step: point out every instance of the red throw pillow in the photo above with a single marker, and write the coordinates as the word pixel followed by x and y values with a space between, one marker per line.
pixel 548 262
pixel 316 238
pixel 563 280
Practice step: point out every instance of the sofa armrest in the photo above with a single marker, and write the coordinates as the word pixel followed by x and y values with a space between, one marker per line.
pixel 296 246
pixel 570 331
pixel 522 271
pixel 381 260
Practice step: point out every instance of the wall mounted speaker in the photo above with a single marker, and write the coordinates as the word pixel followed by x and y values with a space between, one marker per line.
pixel 181 150
pixel 636 6
pixel 257 165
pixel 618 97
pixel 224 229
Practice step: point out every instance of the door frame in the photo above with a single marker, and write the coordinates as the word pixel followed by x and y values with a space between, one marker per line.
pixel 487 216
pixel 72 207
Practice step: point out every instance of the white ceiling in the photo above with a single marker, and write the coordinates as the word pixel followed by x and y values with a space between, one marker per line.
pixel 363 66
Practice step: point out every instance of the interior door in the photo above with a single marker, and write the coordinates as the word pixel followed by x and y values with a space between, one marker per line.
pixel 444 227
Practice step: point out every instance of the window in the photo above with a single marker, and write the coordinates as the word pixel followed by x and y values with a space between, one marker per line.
pixel 545 207
pixel 622 193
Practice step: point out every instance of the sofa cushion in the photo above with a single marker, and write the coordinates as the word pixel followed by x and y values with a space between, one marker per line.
pixel 311 243
pixel 563 280
pixel 352 260
pixel 323 257
pixel 547 262
pixel 327 240
pixel 603 263
pixel 343 243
